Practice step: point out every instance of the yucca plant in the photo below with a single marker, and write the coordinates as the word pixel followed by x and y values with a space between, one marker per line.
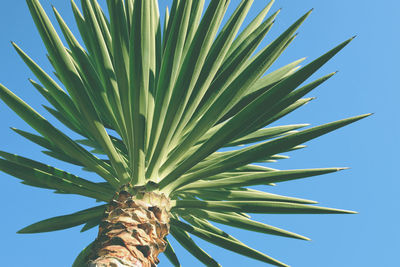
pixel 173 115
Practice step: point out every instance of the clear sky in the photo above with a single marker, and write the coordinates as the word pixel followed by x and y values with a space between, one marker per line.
pixel 367 82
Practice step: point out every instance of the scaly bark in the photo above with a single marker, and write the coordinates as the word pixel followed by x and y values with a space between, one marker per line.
pixel 132 231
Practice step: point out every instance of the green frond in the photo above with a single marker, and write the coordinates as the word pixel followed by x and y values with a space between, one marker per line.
pixel 172 257
pixel 250 179
pixel 187 242
pixel 80 261
pixel 244 194
pixel 64 222
pixel 243 223
pixel 226 242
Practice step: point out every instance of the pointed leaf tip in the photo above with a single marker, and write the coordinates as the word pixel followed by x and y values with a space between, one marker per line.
pixel 362 116
pixel 307 14
pixel 366 115
pixel 350 212
pixel 340 211
pixel 332 74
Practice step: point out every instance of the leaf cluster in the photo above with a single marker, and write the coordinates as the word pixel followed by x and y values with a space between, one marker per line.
pixel 184 104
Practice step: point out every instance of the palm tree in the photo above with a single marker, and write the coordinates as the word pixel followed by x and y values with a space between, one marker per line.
pixel 156 102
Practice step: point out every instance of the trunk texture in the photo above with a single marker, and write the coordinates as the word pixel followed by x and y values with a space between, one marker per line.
pixel 132 231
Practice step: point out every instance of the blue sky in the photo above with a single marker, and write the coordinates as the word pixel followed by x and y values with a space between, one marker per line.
pixel 367 82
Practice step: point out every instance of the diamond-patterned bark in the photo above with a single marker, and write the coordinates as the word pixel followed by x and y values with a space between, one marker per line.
pixel 132 231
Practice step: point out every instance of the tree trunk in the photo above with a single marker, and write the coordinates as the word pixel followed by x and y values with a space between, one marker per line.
pixel 132 231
